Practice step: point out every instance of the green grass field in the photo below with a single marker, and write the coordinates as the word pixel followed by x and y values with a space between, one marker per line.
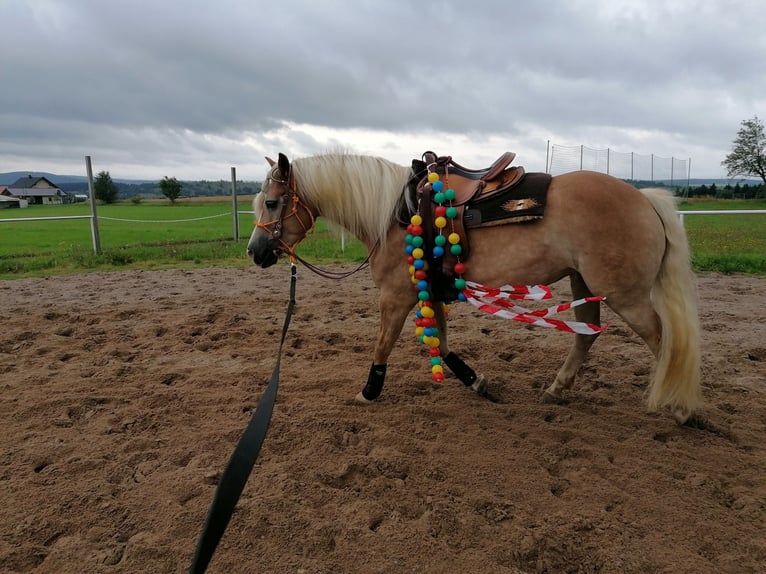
pixel 200 233
pixel 147 235
pixel 727 243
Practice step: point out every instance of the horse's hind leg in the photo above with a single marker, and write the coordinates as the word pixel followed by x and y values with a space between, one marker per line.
pixel 587 313
pixel 455 364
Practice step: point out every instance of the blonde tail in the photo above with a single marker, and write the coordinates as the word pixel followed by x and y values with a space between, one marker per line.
pixel 676 381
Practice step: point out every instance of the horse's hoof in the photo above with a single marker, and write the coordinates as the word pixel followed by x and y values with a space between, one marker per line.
pixel 359 399
pixel 480 386
pixel 693 420
pixel 551 399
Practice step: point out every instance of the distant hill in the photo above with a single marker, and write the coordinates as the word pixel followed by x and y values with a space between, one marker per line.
pixel 11 177
pixel 695 182
pixel 136 187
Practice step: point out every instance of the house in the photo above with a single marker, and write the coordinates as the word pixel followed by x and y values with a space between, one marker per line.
pixel 7 202
pixel 37 190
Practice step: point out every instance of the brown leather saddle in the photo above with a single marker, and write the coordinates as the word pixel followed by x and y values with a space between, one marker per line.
pixel 496 195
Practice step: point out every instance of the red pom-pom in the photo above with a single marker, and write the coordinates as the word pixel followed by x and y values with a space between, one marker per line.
pixel 459 268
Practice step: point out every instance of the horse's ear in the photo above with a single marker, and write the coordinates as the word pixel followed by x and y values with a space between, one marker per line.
pixel 271 161
pixel 284 165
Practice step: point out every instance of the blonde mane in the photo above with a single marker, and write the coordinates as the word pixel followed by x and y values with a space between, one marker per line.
pixel 359 193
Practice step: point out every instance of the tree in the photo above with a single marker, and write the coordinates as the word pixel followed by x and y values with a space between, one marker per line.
pixel 104 188
pixel 748 154
pixel 170 188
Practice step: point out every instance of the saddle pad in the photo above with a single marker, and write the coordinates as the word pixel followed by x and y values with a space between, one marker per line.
pixel 523 202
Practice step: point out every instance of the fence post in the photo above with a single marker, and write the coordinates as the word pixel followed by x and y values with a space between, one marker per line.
pixel 607 161
pixel 93 219
pixel 547 156
pixel 672 169
pixel 689 173
pixel 234 207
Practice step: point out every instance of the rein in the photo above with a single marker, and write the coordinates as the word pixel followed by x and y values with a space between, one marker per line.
pixel 242 460
pixel 327 274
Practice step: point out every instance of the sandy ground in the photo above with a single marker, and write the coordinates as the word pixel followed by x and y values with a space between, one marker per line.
pixel 122 396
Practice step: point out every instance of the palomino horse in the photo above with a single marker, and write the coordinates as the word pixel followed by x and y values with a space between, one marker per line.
pixel 611 239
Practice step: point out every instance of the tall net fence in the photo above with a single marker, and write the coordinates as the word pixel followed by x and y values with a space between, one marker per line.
pixel 630 166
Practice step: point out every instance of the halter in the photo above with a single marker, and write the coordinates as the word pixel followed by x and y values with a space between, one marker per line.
pixel 274 227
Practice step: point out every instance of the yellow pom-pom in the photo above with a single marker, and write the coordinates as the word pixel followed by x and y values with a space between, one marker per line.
pixel 411 269
pixel 440 222
pixel 437 369
pixel 417 253
pixel 419 331
pixel 427 312
pixel 416 220
pixel 433 342
pixel 433 177
pixel 413 280
pixel 453 238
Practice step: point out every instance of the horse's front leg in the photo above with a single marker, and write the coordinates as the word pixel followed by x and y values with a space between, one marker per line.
pixel 394 308
pixel 455 364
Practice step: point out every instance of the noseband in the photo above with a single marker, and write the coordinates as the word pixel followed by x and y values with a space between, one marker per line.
pixel 289 195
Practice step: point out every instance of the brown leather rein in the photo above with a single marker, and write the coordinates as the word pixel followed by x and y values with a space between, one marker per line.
pixel 274 228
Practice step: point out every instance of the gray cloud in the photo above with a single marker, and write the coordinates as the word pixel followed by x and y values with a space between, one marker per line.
pixel 195 86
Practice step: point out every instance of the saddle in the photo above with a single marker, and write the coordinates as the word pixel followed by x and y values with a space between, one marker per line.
pixel 471 183
pixel 495 195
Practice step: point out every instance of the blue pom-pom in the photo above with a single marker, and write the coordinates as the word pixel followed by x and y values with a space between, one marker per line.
pixel 419 264
pixel 438 251
pixel 437 186
pixel 409 249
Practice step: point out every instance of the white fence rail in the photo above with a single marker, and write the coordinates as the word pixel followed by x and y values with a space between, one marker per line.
pixel 681 214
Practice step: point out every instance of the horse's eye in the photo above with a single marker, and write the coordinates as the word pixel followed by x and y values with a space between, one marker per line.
pixel 272 203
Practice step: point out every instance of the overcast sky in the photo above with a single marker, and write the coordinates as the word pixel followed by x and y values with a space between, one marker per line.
pixel 187 88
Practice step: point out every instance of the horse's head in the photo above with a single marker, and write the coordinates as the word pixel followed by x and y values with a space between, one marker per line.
pixel 282 220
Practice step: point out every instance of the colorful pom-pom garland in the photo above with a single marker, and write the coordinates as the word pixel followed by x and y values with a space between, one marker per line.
pixel 447 239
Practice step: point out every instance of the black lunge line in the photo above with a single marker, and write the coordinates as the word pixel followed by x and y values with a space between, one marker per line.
pixel 243 458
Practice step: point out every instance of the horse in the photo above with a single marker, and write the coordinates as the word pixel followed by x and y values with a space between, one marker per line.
pixel 611 239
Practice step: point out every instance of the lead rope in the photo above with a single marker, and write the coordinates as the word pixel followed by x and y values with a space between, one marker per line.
pixel 242 460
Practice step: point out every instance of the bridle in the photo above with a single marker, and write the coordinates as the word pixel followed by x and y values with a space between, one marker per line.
pixel 274 227
pixel 288 196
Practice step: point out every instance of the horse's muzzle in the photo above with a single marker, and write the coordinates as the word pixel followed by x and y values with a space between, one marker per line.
pixel 265 255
